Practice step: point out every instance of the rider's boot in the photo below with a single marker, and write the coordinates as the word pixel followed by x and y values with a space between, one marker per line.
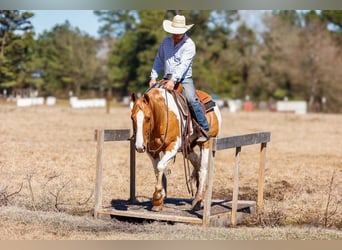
pixel 202 131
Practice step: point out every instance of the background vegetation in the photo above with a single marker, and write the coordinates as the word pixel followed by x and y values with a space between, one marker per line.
pixel 298 56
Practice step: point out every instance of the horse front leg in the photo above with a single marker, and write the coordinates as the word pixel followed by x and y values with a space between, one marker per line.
pixel 159 193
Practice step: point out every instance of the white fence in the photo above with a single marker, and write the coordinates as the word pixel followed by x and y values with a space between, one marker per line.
pixel 34 101
pixel 27 102
pixel 298 107
pixel 232 105
pixel 51 101
pixel 87 103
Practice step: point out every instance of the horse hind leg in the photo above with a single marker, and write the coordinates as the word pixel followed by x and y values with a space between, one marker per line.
pixel 202 176
pixel 195 160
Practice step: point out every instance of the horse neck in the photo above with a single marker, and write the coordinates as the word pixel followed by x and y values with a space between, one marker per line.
pixel 159 111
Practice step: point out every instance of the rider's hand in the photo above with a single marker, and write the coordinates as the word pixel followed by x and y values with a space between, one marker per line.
pixel 170 85
pixel 152 82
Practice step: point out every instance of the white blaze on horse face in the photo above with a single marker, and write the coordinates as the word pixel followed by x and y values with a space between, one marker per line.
pixel 139 137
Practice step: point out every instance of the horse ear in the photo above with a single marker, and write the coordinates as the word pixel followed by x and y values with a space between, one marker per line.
pixel 134 98
pixel 147 98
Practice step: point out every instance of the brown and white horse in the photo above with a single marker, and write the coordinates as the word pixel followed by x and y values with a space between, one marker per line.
pixel 157 124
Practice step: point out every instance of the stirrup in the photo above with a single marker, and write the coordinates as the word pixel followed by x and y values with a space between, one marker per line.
pixel 204 136
pixel 202 139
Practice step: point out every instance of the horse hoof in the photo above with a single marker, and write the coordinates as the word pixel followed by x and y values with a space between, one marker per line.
pixel 157 208
pixel 196 204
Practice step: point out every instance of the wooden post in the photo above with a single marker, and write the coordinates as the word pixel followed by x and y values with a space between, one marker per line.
pixel 209 183
pixel 132 170
pixel 99 172
pixel 236 186
pixel 261 175
pixel 101 136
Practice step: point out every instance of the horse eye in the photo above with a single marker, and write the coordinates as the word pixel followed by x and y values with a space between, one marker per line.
pixel 147 119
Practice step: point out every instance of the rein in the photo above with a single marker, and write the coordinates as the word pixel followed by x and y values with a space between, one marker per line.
pixel 185 141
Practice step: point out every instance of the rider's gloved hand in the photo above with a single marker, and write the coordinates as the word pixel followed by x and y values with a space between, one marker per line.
pixel 170 85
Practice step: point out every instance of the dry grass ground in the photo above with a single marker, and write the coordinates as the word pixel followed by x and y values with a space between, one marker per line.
pixel 47 172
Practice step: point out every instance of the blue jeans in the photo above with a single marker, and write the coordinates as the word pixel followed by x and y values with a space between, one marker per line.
pixel 194 103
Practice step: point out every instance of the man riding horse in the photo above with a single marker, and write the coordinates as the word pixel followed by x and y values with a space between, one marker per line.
pixel 175 56
pixel 160 127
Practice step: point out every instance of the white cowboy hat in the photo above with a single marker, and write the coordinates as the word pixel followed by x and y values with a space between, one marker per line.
pixel 177 26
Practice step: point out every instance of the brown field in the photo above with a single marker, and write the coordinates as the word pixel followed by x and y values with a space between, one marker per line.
pixel 47 173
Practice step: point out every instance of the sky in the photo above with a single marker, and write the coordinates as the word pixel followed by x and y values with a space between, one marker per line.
pixel 87 22
pixel 45 20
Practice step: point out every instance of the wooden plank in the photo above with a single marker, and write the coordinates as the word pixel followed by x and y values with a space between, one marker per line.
pixel 224 219
pixel 99 173
pixel 209 186
pixel 242 140
pixel 242 204
pixel 115 134
pixel 179 210
pixel 151 215
pixel 261 175
pixel 236 186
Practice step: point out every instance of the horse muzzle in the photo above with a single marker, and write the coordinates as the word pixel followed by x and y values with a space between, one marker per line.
pixel 140 149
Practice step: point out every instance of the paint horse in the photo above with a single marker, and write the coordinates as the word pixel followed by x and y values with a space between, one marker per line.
pixel 157 125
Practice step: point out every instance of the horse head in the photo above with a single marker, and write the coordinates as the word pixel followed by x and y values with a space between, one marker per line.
pixel 141 119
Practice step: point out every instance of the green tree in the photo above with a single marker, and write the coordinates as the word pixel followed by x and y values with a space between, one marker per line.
pixel 117 22
pixel 16 39
pixel 245 46
pixel 68 60
pixel 11 21
pixel 292 17
pixel 149 34
pixel 118 30
pixel 333 16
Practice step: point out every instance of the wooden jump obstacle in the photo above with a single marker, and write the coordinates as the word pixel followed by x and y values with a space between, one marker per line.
pixel 236 142
pixel 212 210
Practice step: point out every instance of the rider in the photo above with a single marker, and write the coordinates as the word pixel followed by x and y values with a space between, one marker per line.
pixel 175 56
